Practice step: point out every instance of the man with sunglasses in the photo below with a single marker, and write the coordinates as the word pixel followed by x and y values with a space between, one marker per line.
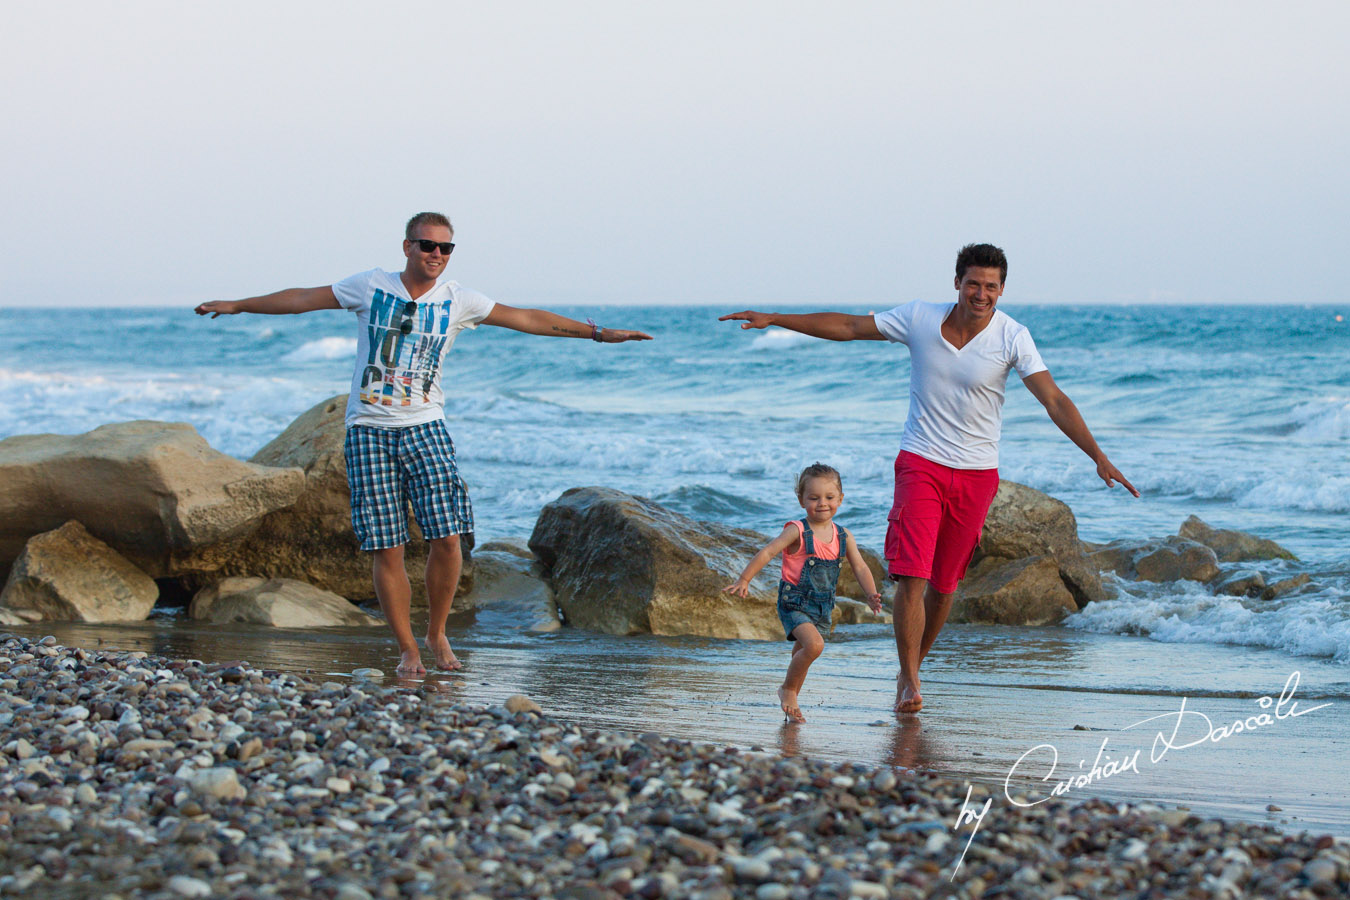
pixel 397 447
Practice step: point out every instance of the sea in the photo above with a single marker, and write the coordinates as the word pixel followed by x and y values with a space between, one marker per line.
pixel 1238 414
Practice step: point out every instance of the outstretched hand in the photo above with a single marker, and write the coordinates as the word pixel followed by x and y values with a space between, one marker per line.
pixel 216 308
pixel 750 318
pixel 740 589
pixel 618 336
pixel 1110 474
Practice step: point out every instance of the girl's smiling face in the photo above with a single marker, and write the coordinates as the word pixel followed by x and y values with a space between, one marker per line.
pixel 821 497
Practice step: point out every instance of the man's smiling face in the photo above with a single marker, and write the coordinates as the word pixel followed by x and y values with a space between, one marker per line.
pixel 979 290
pixel 422 265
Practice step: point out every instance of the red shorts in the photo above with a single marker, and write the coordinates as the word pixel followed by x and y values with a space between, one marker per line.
pixel 936 519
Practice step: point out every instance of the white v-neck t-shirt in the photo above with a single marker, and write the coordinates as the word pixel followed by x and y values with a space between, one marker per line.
pixel 956 396
pixel 397 382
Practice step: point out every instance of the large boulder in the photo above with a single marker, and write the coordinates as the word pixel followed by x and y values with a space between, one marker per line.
pixel 510 584
pixel 1024 523
pixel 625 565
pixel 68 575
pixel 148 489
pixel 1025 592
pixel 1229 545
pixel 312 539
pixel 274 601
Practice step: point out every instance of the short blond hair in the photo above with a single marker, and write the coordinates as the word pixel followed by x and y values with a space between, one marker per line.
pixel 426 218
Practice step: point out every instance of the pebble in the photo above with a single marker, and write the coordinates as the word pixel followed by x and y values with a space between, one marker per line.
pixel 184 886
pixel 187 780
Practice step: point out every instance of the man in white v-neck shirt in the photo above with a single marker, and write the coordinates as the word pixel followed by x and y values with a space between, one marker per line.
pixel 398 450
pixel 946 474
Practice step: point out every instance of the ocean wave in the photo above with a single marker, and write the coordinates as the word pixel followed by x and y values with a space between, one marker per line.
pixel 323 349
pixel 1315 624
pixel 1322 420
pixel 778 338
pixel 701 501
pixel 1310 491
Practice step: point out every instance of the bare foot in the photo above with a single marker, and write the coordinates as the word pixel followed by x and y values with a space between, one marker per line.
pixel 908 699
pixel 907 696
pixel 410 663
pixel 445 657
pixel 788 700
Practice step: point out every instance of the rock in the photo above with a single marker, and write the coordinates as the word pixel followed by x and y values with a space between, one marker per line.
pixel 518 703
pixel 1024 523
pixel 855 612
pixel 848 585
pixel 1285 586
pixel 1118 556
pixel 311 539
pixel 1242 583
pixel 1024 592
pixel 1176 559
pixel 220 782
pixel 68 575
pixel 1231 546
pixel 368 673
pixel 512 586
pixel 275 601
pixel 150 490
pixel 186 886
pixel 625 565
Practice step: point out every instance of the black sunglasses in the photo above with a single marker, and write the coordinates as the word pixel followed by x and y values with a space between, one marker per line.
pixel 427 246
pixel 409 311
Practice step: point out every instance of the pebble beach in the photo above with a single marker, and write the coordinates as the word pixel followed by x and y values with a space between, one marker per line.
pixel 125 774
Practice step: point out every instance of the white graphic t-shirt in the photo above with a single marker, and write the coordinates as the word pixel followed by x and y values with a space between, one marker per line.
pixel 956 396
pixel 402 344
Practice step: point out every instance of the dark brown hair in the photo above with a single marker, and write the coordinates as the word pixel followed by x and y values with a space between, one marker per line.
pixel 983 255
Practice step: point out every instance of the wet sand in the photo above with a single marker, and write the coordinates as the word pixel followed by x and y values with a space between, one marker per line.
pixel 992 695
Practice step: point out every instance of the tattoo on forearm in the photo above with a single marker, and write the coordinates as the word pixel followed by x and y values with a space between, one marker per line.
pixel 570 332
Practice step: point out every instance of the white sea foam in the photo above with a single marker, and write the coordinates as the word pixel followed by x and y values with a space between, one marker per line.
pixel 323 348
pixel 1323 420
pixel 778 338
pixel 1315 624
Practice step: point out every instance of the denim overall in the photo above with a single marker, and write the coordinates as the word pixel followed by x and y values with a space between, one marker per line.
pixel 811 599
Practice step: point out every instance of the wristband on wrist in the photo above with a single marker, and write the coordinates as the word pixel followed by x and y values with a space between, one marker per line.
pixel 596 331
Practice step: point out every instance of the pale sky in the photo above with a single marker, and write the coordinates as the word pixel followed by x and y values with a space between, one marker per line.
pixel 739 153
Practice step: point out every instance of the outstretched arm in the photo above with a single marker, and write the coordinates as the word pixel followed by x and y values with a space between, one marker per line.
pixel 282 303
pixel 543 322
pixel 864 576
pixel 741 586
pixel 1070 421
pixel 831 326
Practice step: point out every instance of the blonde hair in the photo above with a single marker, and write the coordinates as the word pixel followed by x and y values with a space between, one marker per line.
pixel 426 218
pixel 818 470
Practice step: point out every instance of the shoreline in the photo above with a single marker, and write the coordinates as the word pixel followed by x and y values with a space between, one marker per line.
pixel 226 780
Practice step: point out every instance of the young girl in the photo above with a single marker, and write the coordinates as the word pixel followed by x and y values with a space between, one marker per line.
pixel 812 549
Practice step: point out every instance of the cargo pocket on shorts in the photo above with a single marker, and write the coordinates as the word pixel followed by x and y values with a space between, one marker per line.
pixel 891 550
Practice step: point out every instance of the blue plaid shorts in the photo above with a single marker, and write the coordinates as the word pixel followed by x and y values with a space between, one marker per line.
pixel 388 468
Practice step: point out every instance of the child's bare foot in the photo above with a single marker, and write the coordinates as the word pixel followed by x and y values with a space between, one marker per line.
pixel 440 649
pixel 410 663
pixel 788 700
pixel 907 698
